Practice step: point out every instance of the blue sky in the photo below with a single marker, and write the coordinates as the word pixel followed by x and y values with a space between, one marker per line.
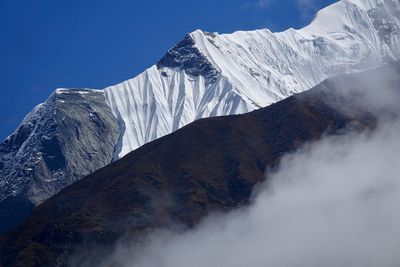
pixel 47 44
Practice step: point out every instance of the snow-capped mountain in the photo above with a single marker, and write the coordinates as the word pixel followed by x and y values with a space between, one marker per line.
pixel 205 74
pixel 210 74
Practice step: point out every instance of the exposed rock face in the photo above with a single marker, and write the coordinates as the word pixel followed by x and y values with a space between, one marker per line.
pixel 210 165
pixel 68 137
pixel 185 55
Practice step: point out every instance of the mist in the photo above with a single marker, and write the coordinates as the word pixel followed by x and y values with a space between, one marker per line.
pixel 333 203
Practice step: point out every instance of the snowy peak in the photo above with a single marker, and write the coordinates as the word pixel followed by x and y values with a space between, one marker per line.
pixel 365 17
pixel 187 56
pixel 211 74
pixel 372 25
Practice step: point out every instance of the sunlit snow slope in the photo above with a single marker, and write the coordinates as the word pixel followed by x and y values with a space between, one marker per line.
pixel 210 74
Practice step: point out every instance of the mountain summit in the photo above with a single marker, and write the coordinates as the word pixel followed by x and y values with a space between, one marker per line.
pixel 211 74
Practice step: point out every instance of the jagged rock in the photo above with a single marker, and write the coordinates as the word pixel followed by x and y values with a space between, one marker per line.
pixel 68 137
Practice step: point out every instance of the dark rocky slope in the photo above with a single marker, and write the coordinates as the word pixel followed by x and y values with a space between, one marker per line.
pixel 210 165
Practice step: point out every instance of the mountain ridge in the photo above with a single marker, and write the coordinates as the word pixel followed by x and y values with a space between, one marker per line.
pixel 273 65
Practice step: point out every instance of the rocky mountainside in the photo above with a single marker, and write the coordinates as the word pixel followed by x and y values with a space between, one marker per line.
pixel 68 137
pixel 210 165
pixel 204 75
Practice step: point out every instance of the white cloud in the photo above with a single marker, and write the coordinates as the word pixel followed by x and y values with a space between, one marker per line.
pixel 333 203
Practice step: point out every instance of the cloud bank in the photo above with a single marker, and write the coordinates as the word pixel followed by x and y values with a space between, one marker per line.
pixel 334 203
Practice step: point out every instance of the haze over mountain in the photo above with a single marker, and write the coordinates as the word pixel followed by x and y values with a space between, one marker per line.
pixel 210 165
pixel 204 75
